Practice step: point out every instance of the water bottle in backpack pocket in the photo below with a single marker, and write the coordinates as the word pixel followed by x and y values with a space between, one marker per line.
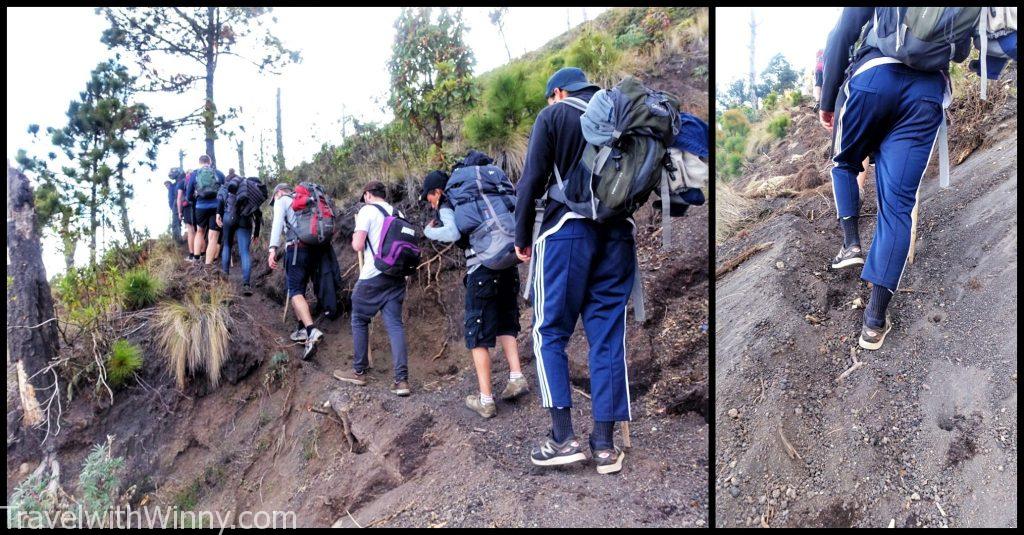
pixel 397 253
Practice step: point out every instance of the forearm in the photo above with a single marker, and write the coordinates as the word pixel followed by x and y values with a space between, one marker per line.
pixel 447 232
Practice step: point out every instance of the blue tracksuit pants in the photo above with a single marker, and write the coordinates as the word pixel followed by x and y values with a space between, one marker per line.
pixel 585 269
pixel 892 112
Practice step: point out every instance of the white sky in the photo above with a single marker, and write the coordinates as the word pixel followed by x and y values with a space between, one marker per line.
pixel 50 52
pixel 796 32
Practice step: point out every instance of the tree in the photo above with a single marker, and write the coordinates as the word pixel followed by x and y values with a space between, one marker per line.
pixel 734 96
pixel 753 84
pixel 778 77
pixel 431 72
pixel 498 19
pixel 198 34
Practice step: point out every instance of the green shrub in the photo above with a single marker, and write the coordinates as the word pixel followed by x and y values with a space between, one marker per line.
pixel 771 100
pixel 778 125
pixel 139 289
pixel 596 54
pixel 100 479
pixel 124 359
pixel 794 98
pixel 29 502
pixel 736 122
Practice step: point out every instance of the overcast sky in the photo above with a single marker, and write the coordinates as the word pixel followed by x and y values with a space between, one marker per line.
pixel 50 52
pixel 795 32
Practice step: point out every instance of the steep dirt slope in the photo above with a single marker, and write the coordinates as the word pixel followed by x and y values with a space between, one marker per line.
pixel 924 433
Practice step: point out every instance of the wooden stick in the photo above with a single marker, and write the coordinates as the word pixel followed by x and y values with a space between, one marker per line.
pixel 790 450
pixel 626 441
pixel 913 232
pixel 369 336
pixel 742 257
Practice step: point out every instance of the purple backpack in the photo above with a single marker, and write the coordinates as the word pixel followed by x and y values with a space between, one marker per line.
pixel 397 252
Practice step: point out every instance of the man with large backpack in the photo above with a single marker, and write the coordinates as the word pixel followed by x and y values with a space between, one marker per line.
pixel 578 231
pixel 202 188
pixel 886 85
pixel 304 218
pixel 239 214
pixel 387 244
pixel 475 208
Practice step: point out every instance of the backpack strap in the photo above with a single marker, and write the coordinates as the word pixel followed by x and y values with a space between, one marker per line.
pixel 575 102
pixel 637 294
pixel 666 221
pixel 487 201
pixel 983 38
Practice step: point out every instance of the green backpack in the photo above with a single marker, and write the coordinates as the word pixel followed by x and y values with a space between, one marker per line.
pixel 206 183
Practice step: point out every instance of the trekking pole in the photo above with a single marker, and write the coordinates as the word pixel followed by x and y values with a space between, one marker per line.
pixel 913 232
pixel 625 436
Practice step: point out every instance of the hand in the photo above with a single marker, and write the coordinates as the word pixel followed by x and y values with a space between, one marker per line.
pixel 272 260
pixel 525 253
pixel 435 202
pixel 432 224
pixel 220 222
pixel 825 117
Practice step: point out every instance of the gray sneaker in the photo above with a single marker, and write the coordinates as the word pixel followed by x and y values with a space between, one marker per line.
pixel 515 388
pixel 872 338
pixel 551 453
pixel 609 461
pixel 299 335
pixel 848 256
pixel 314 338
pixel 350 376
pixel 489 410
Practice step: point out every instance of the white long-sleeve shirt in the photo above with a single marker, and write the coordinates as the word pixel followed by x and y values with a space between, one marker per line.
pixel 447 232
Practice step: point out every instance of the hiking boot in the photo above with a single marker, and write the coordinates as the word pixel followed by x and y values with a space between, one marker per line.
pixel 350 376
pixel 551 453
pixel 515 388
pixel 400 388
pixel 872 338
pixel 299 335
pixel 848 256
pixel 312 340
pixel 608 461
pixel 246 290
pixel 489 410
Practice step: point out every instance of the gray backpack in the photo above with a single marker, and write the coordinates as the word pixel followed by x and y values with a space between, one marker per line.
pixel 924 38
pixel 484 199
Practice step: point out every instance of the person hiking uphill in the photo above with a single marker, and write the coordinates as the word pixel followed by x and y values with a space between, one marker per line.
pixel 881 106
pixel 492 305
pixel 377 291
pixel 176 176
pixel 186 214
pixel 201 190
pixel 819 68
pixel 239 214
pixel 582 268
pixel 299 260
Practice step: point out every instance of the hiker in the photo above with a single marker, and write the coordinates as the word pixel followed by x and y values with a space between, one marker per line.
pixel 879 106
pixel 584 265
pixel 201 190
pixel 492 306
pixel 819 67
pixel 239 214
pixel 176 176
pixel 186 214
pixel 378 226
pixel 298 257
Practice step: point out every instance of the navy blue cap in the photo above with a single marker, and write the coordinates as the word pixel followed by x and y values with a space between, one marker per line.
pixel 567 79
pixel 434 180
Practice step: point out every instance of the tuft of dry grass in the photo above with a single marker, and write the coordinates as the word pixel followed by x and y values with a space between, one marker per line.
pixel 194 333
pixel 731 212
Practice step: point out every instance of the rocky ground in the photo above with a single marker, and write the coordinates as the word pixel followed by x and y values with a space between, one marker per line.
pixel 920 433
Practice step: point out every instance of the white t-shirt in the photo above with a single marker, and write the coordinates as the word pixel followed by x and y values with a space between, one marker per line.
pixel 370 220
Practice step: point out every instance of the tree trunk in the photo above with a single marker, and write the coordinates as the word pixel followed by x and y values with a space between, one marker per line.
pixel 181 159
pixel 209 117
pixel 241 158
pixel 93 209
pixel 32 341
pixel 753 34
pixel 280 139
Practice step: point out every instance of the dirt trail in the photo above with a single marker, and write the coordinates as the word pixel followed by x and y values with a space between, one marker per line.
pixel 924 433
pixel 253 444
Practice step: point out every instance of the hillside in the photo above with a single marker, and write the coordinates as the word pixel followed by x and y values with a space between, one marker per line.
pixel 924 432
pixel 263 441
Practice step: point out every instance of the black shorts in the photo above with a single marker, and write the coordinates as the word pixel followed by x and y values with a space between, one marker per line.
pixel 207 218
pixel 492 306
pixel 188 214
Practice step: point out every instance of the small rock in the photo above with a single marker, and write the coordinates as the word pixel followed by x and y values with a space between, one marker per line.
pixel 734 414
pixel 915 497
pixel 776 493
pixel 734 491
pixel 25 468
pixel 780 265
pixel 799 410
pixel 791 493
pixel 858 303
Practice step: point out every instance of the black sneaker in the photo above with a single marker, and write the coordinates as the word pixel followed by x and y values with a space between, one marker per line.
pixel 608 461
pixel 551 453
pixel 312 340
pixel 872 338
pixel 848 256
pixel 246 290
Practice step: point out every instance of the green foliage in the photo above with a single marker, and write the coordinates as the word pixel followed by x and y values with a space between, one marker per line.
pixel 735 122
pixel 139 289
pixel 29 499
pixel 511 99
pixel 596 54
pixel 794 98
pixel 431 71
pixel 187 498
pixel 731 140
pixel 770 101
pixel 100 479
pixel 778 77
pixel 123 360
pixel 777 125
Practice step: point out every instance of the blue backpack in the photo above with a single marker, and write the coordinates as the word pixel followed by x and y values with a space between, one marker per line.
pixel 484 200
